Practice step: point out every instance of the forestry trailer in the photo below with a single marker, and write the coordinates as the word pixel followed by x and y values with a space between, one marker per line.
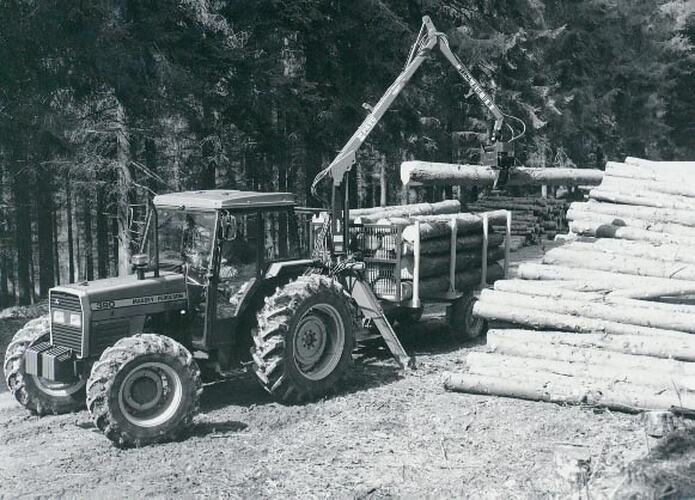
pixel 223 279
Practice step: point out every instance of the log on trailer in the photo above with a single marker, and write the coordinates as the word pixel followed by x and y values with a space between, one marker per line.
pixel 442 245
pixel 464 280
pixel 373 214
pixel 441 226
pixel 435 265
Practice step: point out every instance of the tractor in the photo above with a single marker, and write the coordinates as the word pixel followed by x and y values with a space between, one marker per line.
pixel 225 278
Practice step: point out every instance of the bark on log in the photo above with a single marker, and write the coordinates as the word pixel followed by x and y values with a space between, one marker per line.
pixel 645 173
pixel 608 280
pixel 447 174
pixel 681 168
pixel 643 198
pixel 443 245
pixel 476 175
pixel 647 225
pixel 559 389
pixel 600 230
pixel 582 363
pixel 438 265
pixel 683 217
pixel 514 341
pixel 554 177
pixel 620 180
pixel 619 264
pixel 465 224
pixel 371 215
pixel 665 252
pixel 464 281
pixel 616 312
pixel 545 320
pixel 548 290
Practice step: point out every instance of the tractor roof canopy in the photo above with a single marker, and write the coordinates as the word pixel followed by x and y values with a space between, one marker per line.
pixel 215 199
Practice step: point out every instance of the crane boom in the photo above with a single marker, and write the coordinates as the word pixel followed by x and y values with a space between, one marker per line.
pixel 427 39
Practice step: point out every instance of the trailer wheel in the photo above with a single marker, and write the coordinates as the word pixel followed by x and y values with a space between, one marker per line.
pixel 144 389
pixel 304 340
pixel 409 317
pixel 463 324
pixel 38 395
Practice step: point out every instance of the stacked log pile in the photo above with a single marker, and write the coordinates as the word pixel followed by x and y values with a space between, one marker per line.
pixel 533 218
pixel 608 317
pixel 434 224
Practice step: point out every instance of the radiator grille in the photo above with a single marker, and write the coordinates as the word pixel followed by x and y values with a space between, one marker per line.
pixel 65 335
pixel 65 301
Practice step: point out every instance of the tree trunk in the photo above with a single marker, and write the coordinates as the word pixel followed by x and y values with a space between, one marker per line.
pixel 662 374
pixel 435 265
pixel 545 320
pixel 22 197
pixel 627 248
pixel 647 225
pixel 442 245
pixel 370 215
pixel 466 280
pixel 123 185
pixel 44 210
pixel 88 239
pixel 598 229
pixel 619 264
pixel 643 198
pixel 440 225
pixel 71 248
pixel 616 312
pixel 540 386
pixel 608 280
pixel 477 175
pixel 102 233
pixel 564 345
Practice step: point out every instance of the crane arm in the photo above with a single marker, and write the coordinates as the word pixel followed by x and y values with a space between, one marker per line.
pixel 427 39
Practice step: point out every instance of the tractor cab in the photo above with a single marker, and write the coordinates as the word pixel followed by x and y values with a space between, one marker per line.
pixel 227 244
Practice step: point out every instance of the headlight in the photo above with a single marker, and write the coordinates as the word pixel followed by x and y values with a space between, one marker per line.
pixel 60 316
pixel 76 320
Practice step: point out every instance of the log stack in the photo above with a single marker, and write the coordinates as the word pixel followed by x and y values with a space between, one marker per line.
pixel 433 226
pixel 608 318
pixel 534 218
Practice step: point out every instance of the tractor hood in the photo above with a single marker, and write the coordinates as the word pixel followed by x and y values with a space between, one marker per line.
pixel 118 295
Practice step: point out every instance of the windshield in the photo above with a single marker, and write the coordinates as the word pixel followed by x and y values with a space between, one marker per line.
pixel 185 237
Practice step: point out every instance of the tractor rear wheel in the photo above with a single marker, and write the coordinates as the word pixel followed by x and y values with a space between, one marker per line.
pixel 144 389
pixel 304 340
pixel 39 395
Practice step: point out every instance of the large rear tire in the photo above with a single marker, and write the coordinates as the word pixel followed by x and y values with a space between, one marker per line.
pixel 38 395
pixel 304 340
pixel 144 389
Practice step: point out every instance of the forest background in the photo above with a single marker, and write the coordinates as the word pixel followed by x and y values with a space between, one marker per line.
pixel 105 102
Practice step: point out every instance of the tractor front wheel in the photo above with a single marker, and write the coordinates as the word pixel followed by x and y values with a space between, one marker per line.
pixel 144 389
pixel 39 395
pixel 304 340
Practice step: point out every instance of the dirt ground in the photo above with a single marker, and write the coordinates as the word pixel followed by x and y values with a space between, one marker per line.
pixel 383 434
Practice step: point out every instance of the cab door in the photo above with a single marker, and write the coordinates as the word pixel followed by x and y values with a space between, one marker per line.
pixel 236 266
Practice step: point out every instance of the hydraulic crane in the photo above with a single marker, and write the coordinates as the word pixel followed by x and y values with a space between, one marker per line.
pixel 497 153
